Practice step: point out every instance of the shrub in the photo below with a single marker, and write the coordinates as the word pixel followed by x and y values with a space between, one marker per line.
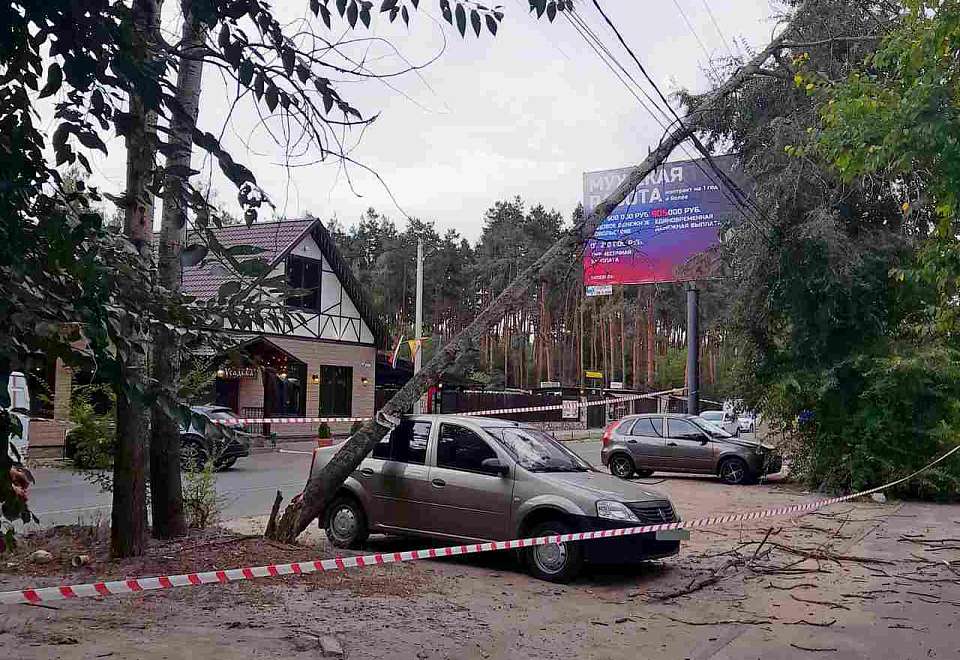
pixel 879 418
pixel 323 431
pixel 90 443
pixel 201 503
pixel 355 427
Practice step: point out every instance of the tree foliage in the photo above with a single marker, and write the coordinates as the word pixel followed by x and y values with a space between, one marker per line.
pixel 827 286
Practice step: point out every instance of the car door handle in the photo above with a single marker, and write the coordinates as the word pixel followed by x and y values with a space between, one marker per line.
pixel 438 483
pixel 366 472
pixel 671 444
pixel 631 442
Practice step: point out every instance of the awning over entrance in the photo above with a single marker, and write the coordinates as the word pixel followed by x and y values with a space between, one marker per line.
pixel 260 379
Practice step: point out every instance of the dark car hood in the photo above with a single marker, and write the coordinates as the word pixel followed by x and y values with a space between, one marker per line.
pixel 749 444
pixel 604 486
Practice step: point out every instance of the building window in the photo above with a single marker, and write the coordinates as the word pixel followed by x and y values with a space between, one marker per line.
pixel 304 274
pixel 336 391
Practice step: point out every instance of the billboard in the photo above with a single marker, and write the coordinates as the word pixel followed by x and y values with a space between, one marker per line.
pixel 666 230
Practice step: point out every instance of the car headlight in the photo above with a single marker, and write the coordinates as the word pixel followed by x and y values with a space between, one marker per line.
pixel 612 510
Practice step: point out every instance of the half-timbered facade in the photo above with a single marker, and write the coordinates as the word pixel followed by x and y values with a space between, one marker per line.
pixel 322 366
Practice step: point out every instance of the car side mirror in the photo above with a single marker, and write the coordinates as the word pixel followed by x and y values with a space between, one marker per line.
pixel 704 439
pixel 494 466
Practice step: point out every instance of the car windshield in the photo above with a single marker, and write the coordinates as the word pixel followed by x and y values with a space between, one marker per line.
pixel 711 428
pixel 220 414
pixel 536 451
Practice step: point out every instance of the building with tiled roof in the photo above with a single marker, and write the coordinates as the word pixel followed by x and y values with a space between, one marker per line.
pixel 321 366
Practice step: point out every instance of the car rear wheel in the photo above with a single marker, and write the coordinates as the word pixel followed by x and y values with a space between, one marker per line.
pixel 554 562
pixel 346 523
pixel 734 471
pixel 622 466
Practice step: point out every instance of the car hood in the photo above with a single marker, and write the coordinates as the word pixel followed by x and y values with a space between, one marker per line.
pixel 749 444
pixel 602 486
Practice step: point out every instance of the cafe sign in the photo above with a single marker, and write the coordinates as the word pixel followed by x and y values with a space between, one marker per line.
pixel 234 373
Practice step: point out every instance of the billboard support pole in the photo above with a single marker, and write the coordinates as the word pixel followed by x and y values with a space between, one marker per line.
pixel 693 350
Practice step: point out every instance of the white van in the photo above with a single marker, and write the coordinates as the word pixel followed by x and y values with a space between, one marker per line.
pixel 19 393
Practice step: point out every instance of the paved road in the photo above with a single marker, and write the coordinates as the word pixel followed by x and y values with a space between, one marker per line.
pixel 62 497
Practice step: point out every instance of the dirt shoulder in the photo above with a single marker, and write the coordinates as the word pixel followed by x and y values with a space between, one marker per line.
pixel 854 581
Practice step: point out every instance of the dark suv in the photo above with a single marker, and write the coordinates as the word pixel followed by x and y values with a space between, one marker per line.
pixel 642 444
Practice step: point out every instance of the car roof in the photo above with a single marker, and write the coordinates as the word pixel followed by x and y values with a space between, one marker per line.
pixel 481 421
pixel 209 409
pixel 671 415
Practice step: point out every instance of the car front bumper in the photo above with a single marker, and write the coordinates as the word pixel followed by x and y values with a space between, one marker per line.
pixel 630 549
pixel 238 447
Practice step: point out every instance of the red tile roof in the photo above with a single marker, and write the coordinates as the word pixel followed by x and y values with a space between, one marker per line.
pixel 274 238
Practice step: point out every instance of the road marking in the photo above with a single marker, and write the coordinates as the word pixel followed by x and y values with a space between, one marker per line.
pixel 294 451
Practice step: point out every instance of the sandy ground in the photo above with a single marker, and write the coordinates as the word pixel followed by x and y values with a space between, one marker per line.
pixel 862 580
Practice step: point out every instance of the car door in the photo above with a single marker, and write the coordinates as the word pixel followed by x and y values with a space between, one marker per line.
pixel 647 444
pixel 396 477
pixel 465 499
pixel 690 448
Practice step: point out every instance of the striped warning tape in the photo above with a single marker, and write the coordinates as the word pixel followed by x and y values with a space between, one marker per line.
pixel 134 585
pixel 474 413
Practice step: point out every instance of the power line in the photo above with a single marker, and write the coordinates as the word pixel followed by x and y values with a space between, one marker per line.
pixel 716 25
pixel 696 36
pixel 732 185
pixel 718 177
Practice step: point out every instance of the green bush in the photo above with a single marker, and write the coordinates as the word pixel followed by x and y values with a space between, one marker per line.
pixel 201 503
pixel 876 419
pixel 91 441
pixel 356 426
pixel 323 431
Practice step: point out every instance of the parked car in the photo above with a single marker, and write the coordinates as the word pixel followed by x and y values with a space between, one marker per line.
pixel 725 419
pixel 642 444
pixel 226 448
pixel 473 479
pixel 747 422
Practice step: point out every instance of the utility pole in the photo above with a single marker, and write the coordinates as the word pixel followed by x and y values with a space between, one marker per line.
pixel 693 350
pixel 418 322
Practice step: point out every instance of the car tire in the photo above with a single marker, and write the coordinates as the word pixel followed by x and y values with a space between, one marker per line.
pixel 734 471
pixel 643 473
pixel 226 464
pixel 553 562
pixel 345 523
pixel 622 466
pixel 193 454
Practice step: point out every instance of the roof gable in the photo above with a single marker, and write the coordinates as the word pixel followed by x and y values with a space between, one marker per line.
pixel 277 240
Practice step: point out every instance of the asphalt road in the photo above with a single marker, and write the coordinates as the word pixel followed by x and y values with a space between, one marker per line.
pixel 63 497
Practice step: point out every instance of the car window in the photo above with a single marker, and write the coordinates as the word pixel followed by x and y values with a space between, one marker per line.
pixel 407 443
pixel 536 451
pixel 712 415
pixel 681 429
pixel 647 426
pixel 221 414
pixel 459 448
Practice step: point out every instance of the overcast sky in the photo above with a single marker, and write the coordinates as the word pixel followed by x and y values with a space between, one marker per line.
pixel 524 113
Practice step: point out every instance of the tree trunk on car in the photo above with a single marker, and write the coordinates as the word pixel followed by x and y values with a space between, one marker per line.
pixel 324 484
pixel 166 495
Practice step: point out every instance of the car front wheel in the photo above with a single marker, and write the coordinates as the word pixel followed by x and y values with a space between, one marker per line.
pixel 346 524
pixel 554 562
pixel 734 471
pixel 621 466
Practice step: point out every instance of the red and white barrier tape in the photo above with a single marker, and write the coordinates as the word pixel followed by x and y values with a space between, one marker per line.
pixel 474 413
pixel 134 585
